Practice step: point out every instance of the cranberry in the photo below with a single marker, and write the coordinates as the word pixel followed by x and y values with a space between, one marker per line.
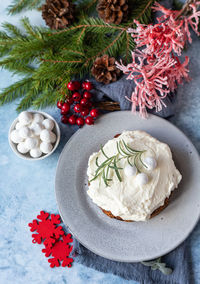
pixel 87 95
pixel 76 97
pixel 89 120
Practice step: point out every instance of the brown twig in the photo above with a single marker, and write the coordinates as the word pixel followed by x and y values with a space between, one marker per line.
pixel 108 105
pixel 61 61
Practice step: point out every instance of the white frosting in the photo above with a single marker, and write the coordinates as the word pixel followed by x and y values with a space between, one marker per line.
pixel 136 196
pixel 142 179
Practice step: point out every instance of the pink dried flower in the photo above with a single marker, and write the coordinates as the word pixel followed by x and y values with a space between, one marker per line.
pixel 155 69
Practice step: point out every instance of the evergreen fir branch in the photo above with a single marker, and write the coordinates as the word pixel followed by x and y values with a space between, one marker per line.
pixel 18 6
pixel 12 30
pixel 16 66
pixel 53 56
pixel 16 90
pixel 28 98
pixel 85 8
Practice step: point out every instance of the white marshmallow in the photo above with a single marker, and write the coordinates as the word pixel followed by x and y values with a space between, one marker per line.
pixel 31 143
pixel 18 125
pixel 48 124
pixel 142 179
pixel 130 170
pixel 38 118
pixel 25 117
pixel 25 132
pixel 22 148
pixel 35 153
pixel 53 137
pixel 47 136
pixel 15 137
pixel 46 147
pixel 36 128
pixel 150 162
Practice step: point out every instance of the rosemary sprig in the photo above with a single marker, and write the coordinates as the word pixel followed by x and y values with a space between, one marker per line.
pixel 110 163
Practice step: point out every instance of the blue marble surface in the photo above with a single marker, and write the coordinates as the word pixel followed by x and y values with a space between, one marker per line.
pixel 27 187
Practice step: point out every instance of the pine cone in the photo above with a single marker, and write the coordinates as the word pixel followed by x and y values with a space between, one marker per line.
pixel 104 69
pixel 58 14
pixel 113 11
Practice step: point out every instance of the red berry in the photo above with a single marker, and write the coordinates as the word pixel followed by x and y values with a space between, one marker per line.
pixel 87 86
pixel 83 85
pixel 64 119
pixel 87 95
pixel 59 104
pixel 71 86
pixel 85 112
pixel 65 108
pixel 72 119
pixel 84 102
pixel 94 112
pixel 76 97
pixel 89 120
pixel 80 121
pixel 70 101
pixel 77 85
pixel 77 108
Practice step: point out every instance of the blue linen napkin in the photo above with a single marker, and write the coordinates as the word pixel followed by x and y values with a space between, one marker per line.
pixel 177 259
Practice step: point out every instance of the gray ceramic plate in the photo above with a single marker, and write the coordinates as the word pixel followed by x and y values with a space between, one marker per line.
pixel 117 240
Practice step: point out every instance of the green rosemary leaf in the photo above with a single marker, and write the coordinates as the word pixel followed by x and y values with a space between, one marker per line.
pixel 139 156
pixel 103 152
pixel 116 170
pixel 97 162
pixel 122 150
pixel 129 148
pixel 104 178
pixel 112 167
pixel 128 159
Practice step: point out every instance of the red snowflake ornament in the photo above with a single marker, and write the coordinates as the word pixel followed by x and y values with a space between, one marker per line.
pixel 47 229
pixel 60 251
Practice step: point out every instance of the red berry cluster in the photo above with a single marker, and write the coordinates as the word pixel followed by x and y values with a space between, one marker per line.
pixel 78 109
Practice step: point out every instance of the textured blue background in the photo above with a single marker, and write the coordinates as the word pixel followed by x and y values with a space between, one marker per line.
pixel 27 187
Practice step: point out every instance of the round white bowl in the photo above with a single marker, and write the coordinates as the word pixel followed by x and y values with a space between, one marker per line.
pixel 27 156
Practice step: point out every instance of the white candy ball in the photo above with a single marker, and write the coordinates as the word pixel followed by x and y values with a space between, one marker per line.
pixel 25 132
pixel 38 118
pixel 53 137
pixel 18 125
pixel 21 147
pixel 46 147
pixel 150 162
pixel 35 153
pixel 25 117
pixel 48 124
pixel 47 136
pixel 130 170
pixel 31 143
pixel 142 179
pixel 15 137
pixel 36 128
